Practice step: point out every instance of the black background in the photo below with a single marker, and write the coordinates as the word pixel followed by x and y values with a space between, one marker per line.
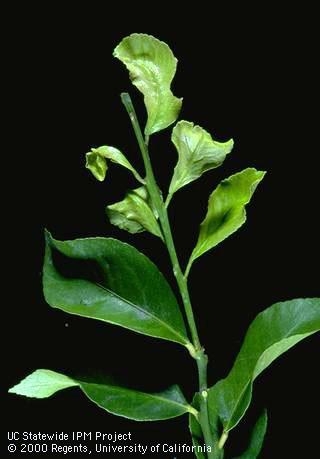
pixel 249 75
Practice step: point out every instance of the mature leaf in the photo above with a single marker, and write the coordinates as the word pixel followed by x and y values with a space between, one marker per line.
pixel 257 437
pixel 96 162
pixel 195 430
pixel 42 384
pixel 272 333
pixel 128 291
pixel 197 153
pixel 226 209
pixel 132 404
pixel 152 67
pixel 134 213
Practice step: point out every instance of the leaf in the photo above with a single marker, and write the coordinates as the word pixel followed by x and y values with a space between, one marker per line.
pixel 195 430
pixel 197 153
pixel 96 162
pixel 272 333
pixel 226 209
pixel 128 289
pixel 152 67
pixel 131 404
pixel 257 437
pixel 134 213
pixel 42 384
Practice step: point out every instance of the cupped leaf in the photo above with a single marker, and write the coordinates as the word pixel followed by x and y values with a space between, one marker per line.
pixel 272 333
pixel 134 213
pixel 96 162
pixel 127 290
pixel 226 209
pixel 152 67
pixel 131 404
pixel 257 437
pixel 197 153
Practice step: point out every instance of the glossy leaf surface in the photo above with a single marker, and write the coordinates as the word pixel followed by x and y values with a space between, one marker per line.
pixel 273 332
pixel 127 290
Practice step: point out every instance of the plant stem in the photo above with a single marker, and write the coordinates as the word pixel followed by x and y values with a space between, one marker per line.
pixel 156 197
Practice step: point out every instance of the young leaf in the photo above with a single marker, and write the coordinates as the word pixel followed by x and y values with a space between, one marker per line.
pixel 226 209
pixel 272 333
pixel 257 437
pixel 152 67
pixel 96 162
pixel 134 213
pixel 129 289
pixel 195 430
pixel 131 404
pixel 197 153
pixel 42 384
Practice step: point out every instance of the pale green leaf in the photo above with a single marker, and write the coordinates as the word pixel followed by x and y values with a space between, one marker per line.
pixel 131 404
pixel 96 162
pixel 152 67
pixel 197 153
pixel 272 333
pixel 226 209
pixel 134 213
pixel 257 437
pixel 42 384
pixel 118 285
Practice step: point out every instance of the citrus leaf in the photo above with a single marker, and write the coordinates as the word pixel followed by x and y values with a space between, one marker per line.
pixel 96 162
pixel 152 67
pixel 127 290
pixel 226 209
pixel 272 333
pixel 131 404
pixel 197 153
pixel 257 437
pixel 134 213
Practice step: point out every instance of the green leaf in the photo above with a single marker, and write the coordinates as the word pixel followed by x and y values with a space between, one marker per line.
pixel 127 290
pixel 152 67
pixel 197 153
pixel 226 209
pixel 272 333
pixel 131 404
pixel 96 162
pixel 42 384
pixel 195 430
pixel 257 437
pixel 134 213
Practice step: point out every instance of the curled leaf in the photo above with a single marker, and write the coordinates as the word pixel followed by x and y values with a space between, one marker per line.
pixel 197 153
pixel 226 209
pixel 96 162
pixel 134 213
pixel 152 67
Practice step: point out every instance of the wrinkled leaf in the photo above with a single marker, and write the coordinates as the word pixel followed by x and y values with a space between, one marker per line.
pixel 131 404
pixel 96 162
pixel 134 213
pixel 197 153
pixel 257 437
pixel 152 67
pixel 272 333
pixel 127 290
pixel 226 209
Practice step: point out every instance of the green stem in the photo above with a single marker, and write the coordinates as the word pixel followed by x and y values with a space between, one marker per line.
pixel 156 197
